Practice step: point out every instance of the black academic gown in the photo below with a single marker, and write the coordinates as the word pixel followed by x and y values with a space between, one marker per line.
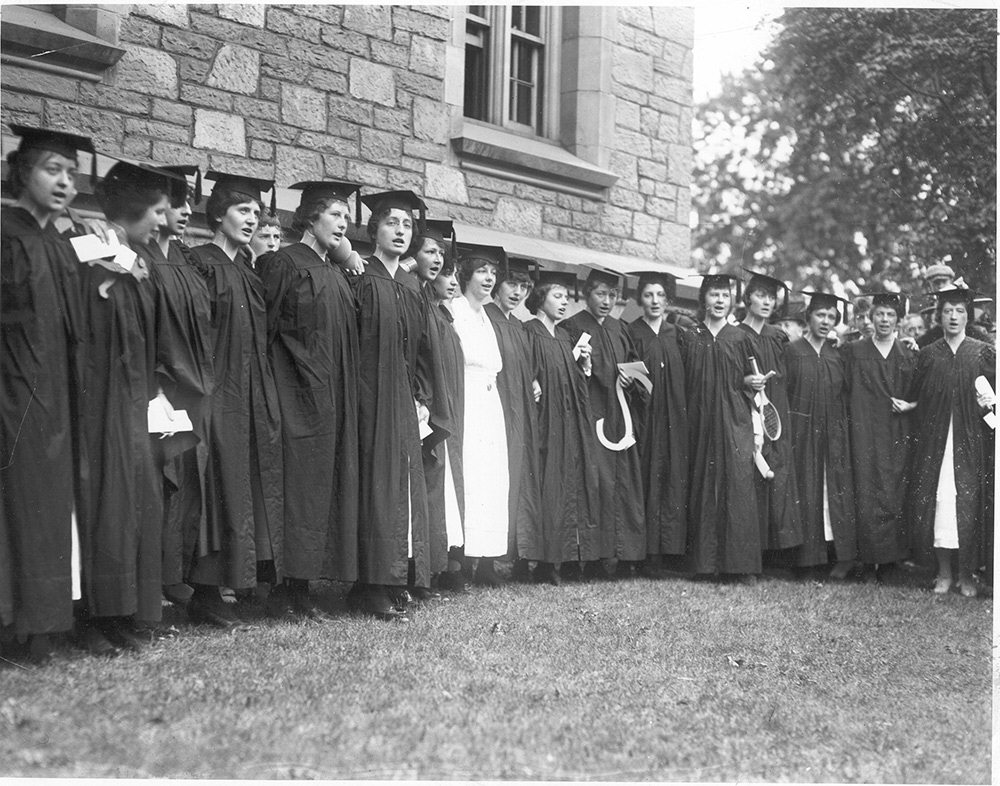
pixel 817 409
pixel 724 534
pixel 777 499
pixel 514 383
pixel 120 536
pixel 393 504
pixel 622 508
pixel 944 389
pixel 661 426
pixel 245 481
pixel 313 350
pixel 880 446
pixel 444 365
pixel 184 373
pixel 40 363
pixel 569 523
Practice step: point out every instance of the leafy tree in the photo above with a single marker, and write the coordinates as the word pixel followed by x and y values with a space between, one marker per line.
pixel 862 148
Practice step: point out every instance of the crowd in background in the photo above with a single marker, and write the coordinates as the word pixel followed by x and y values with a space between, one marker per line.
pixel 190 425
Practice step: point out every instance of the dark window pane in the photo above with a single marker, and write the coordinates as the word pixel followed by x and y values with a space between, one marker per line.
pixel 516 16
pixel 533 20
pixel 477 10
pixel 476 72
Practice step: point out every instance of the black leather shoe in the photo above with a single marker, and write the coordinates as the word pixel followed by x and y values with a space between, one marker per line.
pixel 217 615
pixel 278 605
pixel 124 635
pixel 571 571
pixel 423 594
pixel 178 594
pixel 521 572
pixel 546 573
pixel 595 571
pixel 374 601
pixel 90 639
pixel 486 575
pixel 452 581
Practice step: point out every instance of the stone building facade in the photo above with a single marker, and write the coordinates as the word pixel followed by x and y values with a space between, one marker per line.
pixel 379 94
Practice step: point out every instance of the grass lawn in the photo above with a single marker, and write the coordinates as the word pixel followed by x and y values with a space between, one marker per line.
pixel 668 680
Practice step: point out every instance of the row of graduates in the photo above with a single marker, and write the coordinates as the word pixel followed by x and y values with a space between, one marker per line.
pixel 329 421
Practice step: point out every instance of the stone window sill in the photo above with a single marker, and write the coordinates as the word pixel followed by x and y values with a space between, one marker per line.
pixel 494 151
pixel 35 39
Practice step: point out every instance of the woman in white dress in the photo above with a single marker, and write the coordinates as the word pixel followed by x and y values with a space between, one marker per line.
pixel 484 448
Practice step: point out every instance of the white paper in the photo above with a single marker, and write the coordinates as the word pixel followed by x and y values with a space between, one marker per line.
pixel 983 388
pixel 125 257
pixel 425 430
pixel 159 421
pixel 583 342
pixel 91 247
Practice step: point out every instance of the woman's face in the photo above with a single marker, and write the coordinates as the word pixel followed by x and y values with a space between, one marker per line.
pixel 884 319
pixel 601 299
pixel 266 239
pixel 148 224
pixel 429 259
pixel 480 286
pixel 760 304
pixel 718 302
pixel 510 293
pixel 394 232
pixel 176 218
pixel 954 318
pixel 240 222
pixel 654 301
pixel 51 185
pixel 329 226
pixel 822 321
pixel 555 303
pixel 445 286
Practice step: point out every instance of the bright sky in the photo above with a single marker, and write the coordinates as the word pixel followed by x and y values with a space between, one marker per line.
pixel 728 37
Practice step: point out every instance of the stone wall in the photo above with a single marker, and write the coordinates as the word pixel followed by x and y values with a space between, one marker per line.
pixel 358 92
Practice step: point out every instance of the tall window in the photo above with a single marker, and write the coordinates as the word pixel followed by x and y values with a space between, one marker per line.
pixel 510 59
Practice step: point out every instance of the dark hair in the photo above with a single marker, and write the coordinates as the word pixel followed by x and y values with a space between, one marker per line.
pixel 537 296
pixel 221 200
pixel 970 310
pixel 122 199
pixel 469 265
pixel 305 214
pixel 20 164
pixel 759 286
pixel 447 267
pixel 377 217
pixel 591 284
pixel 179 198
pixel 417 245
pixel 814 306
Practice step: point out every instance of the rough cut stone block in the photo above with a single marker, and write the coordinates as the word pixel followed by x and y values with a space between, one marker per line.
pixel 412 164
pixel 192 71
pixel 617 221
pixel 534 194
pixel 234 33
pixel 636 16
pixel 483 199
pixel 292 164
pixel 635 248
pixel 396 120
pixel 661 208
pixel 446 183
pixel 430 120
pixel 148 71
pixel 206 96
pixel 674 23
pixel 251 14
pixel 556 215
pixel 426 24
pixel 271 132
pixel 219 131
pixel 165 131
pixel 237 165
pixel 627 197
pixel 318 56
pixel 516 215
pixel 105 128
pixel 652 169
pixel 421 85
pixel 350 110
pixel 373 176
pixel 633 69
pixel 137 147
pixel 134 30
pixel 236 69
pixel 284 69
pixel 635 144
pixel 671 88
pixel 649 121
pixel 327 81
pixel 427 56
pixel 184 42
pixel 346 41
pixel 32 81
pixel 380 146
pixel 335 167
pixel 175 14
pixel 398 179
pixel 679 165
pixel 324 143
pixel 124 101
pixel 252 107
pixel 181 154
pixel 645 229
pixel 291 24
pixel 674 245
pixel 627 115
pixel 425 150
pixel 263 151
pixel 390 54
pixel 372 20
pixel 303 107
pixel 372 82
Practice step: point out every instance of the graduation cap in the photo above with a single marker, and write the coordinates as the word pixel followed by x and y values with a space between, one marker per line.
pixel 666 280
pixel 612 280
pixel 443 231
pixel 57 142
pixel 474 252
pixel 525 266
pixel 894 300
pixel 339 190
pixel 137 174
pixel 957 295
pixel 718 281
pixel 242 184
pixel 400 200
pixel 826 300
pixel 767 283
pixel 563 278
pixel 795 316
pixel 185 170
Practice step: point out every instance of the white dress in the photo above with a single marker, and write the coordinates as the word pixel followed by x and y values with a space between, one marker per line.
pixel 484 448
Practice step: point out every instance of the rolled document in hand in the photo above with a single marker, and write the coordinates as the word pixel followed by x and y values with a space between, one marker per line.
pixel 983 388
